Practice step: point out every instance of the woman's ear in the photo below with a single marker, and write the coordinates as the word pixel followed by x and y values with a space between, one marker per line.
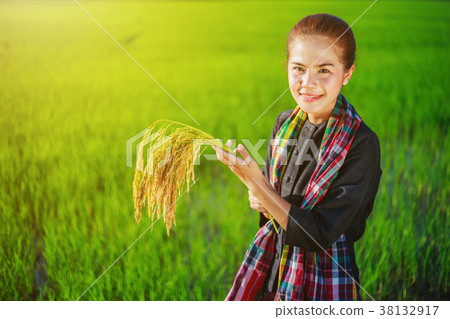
pixel 348 75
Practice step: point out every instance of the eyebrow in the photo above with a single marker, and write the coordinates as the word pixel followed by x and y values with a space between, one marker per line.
pixel 321 65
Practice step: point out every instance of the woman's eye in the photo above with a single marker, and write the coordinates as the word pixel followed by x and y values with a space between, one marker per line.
pixel 325 71
pixel 299 69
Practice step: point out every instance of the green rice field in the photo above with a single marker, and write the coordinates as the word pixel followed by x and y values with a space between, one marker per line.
pixel 70 98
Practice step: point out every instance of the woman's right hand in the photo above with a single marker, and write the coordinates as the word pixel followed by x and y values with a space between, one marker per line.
pixel 255 205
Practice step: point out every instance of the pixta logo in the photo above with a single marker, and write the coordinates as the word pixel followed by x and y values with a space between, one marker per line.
pixel 142 142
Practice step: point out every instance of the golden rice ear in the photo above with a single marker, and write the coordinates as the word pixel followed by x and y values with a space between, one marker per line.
pixel 170 166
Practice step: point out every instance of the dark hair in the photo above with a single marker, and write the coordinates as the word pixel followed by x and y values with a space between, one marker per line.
pixel 330 26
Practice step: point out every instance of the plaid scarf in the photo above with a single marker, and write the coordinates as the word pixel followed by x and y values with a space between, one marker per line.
pixel 304 275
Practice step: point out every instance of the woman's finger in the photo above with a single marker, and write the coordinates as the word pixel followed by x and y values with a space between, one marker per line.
pixel 258 208
pixel 228 158
pixel 261 209
pixel 245 155
pixel 255 203
pixel 251 196
pixel 220 155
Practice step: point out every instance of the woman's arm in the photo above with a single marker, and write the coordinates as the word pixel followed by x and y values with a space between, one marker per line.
pixel 349 198
pixel 355 185
pixel 250 174
pixel 277 206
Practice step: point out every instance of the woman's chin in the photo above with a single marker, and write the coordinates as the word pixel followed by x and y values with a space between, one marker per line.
pixel 306 107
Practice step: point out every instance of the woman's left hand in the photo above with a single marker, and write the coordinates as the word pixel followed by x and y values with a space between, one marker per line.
pixel 246 169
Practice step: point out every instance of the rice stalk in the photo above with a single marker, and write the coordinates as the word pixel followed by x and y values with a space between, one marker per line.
pixel 171 154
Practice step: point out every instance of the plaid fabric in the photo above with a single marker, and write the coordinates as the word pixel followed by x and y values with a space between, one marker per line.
pixel 303 275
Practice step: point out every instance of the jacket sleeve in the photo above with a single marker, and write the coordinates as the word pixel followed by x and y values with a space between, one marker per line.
pixel 350 196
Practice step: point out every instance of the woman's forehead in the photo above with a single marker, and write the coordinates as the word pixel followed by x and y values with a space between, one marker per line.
pixel 317 49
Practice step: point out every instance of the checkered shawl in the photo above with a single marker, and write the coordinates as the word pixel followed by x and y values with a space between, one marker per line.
pixel 304 275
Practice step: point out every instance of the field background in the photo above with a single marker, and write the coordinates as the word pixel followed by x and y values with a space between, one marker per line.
pixel 70 98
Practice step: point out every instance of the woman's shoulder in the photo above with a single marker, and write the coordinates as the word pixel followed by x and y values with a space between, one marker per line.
pixel 365 136
pixel 365 147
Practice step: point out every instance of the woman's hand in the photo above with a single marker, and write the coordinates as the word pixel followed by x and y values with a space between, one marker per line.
pixel 256 205
pixel 250 174
pixel 246 169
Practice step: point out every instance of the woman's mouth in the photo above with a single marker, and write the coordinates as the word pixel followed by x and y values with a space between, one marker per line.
pixel 310 97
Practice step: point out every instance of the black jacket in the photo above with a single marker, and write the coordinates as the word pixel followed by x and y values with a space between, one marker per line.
pixel 346 205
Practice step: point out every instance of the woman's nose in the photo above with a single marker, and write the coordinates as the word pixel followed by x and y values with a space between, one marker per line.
pixel 307 79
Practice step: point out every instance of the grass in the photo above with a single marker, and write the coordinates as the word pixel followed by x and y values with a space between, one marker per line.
pixel 70 99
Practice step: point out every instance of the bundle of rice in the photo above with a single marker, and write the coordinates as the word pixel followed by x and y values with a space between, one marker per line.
pixel 170 163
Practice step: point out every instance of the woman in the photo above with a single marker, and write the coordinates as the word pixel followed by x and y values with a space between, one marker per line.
pixel 319 181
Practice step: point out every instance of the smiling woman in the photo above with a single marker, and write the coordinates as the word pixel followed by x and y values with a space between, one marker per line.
pixel 321 76
pixel 322 66
pixel 321 201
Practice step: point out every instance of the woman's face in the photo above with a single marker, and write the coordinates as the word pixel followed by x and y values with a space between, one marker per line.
pixel 316 76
